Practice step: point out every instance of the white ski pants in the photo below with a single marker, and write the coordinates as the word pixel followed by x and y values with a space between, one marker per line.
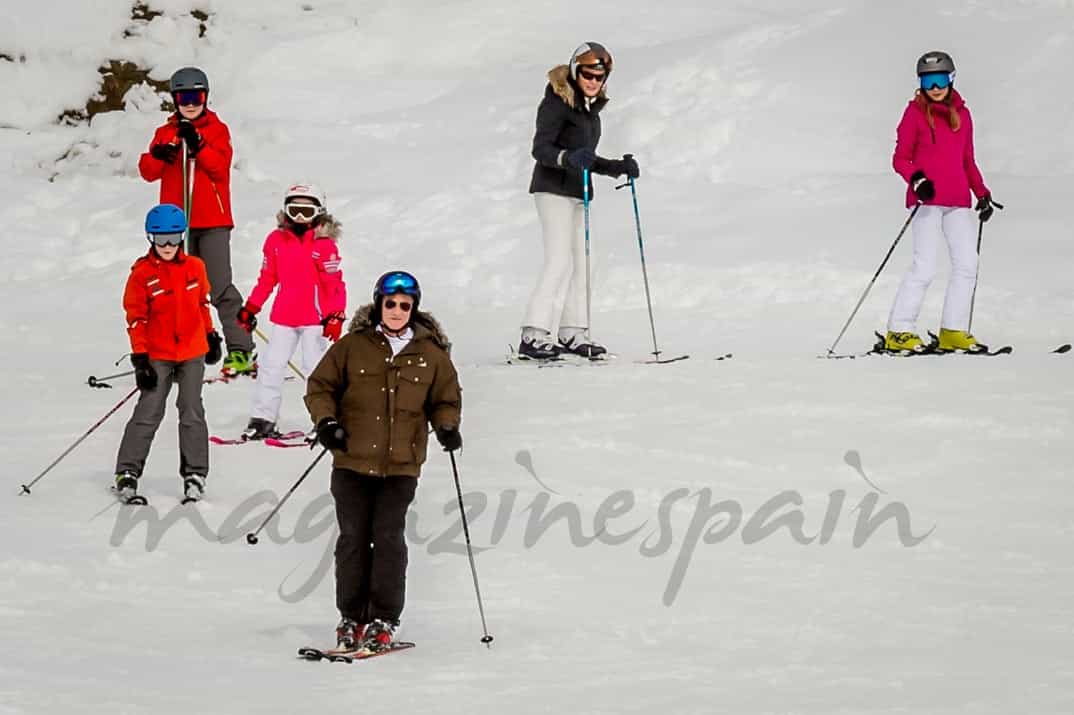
pixel 559 297
pixel 931 225
pixel 272 365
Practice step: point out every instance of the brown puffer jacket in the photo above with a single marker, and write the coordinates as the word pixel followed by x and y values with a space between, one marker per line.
pixel 385 404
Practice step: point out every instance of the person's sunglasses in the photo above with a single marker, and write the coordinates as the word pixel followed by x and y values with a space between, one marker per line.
pixel 297 211
pixel 190 97
pixel 392 304
pixel 592 76
pixel 935 80
pixel 167 239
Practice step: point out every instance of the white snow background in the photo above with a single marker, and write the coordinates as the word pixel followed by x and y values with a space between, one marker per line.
pixel 764 132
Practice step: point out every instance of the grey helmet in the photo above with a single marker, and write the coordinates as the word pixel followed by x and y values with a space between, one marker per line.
pixel 188 78
pixel 935 61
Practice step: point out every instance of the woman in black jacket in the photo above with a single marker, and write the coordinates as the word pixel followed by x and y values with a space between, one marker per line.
pixel 568 130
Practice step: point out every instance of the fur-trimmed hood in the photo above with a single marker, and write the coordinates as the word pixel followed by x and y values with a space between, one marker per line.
pixel 327 227
pixel 559 78
pixel 423 324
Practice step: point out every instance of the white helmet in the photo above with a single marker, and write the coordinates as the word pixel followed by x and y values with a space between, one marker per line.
pixel 309 191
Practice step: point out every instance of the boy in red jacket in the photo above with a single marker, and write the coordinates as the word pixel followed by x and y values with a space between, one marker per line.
pixel 172 339
pixel 208 145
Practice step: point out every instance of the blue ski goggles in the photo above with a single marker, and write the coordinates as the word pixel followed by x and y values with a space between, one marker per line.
pixel 166 239
pixel 935 80
pixel 399 282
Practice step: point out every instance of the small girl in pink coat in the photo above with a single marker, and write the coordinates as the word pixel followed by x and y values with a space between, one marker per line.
pixel 934 154
pixel 302 258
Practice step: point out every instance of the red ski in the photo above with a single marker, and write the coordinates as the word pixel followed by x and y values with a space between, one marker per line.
pixel 336 655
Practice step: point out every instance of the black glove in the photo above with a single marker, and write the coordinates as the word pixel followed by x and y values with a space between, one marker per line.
pixel 449 438
pixel 617 167
pixel 582 158
pixel 922 187
pixel 331 434
pixel 190 135
pixel 984 208
pixel 168 153
pixel 144 374
pixel 215 353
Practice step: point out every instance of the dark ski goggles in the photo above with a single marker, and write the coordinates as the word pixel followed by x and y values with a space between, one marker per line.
pixel 592 76
pixel 391 304
pixel 167 239
pixel 190 97
pixel 935 80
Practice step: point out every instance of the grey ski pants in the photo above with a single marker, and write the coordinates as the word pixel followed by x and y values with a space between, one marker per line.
pixel 213 245
pixel 143 424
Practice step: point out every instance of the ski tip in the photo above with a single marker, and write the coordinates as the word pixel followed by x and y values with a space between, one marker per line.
pixel 1065 348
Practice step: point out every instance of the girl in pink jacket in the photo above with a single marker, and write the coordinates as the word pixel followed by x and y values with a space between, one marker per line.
pixel 934 154
pixel 302 258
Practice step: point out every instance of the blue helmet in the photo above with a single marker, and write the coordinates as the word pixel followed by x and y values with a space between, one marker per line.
pixel 397 282
pixel 165 218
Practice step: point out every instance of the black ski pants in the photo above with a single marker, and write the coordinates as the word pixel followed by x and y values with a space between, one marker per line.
pixel 371 552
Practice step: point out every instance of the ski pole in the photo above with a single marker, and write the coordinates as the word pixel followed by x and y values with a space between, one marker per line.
pixel 26 487
pixel 973 298
pixel 257 331
pixel 588 272
pixel 641 251
pixel 251 538
pixel 875 276
pixel 101 382
pixel 186 195
pixel 486 639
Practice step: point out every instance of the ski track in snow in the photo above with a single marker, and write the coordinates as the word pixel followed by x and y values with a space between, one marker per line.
pixel 767 201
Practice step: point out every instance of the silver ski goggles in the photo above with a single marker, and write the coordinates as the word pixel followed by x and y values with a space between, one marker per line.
pixel 167 239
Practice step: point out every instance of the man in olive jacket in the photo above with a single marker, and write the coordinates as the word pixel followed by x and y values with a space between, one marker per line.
pixel 372 398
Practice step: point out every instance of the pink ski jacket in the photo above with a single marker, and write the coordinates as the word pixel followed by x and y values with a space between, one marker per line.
pixel 307 270
pixel 926 142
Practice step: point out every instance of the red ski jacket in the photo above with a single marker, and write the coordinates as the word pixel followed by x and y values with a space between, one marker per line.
pixel 167 306
pixel 211 193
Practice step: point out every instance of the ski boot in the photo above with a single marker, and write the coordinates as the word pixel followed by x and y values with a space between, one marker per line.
pixel 379 635
pixel 193 488
pixel 960 341
pixel 539 350
pixel 583 347
pixel 258 429
pixel 239 362
pixel 903 342
pixel 126 487
pixel 349 634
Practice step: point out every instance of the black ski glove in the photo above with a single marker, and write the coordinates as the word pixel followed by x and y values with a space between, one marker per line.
pixel 922 186
pixel 449 438
pixel 189 134
pixel 984 208
pixel 582 158
pixel 617 167
pixel 144 374
pixel 331 434
pixel 215 353
pixel 168 153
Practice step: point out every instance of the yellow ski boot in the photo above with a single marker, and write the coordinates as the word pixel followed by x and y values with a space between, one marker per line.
pixel 958 340
pixel 903 342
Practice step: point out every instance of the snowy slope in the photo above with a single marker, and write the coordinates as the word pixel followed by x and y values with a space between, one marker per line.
pixel 764 132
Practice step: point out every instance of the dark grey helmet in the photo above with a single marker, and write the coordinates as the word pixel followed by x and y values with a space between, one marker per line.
pixel 188 78
pixel 935 61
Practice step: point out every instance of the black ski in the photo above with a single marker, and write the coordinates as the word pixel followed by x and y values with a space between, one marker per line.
pixel 1064 348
